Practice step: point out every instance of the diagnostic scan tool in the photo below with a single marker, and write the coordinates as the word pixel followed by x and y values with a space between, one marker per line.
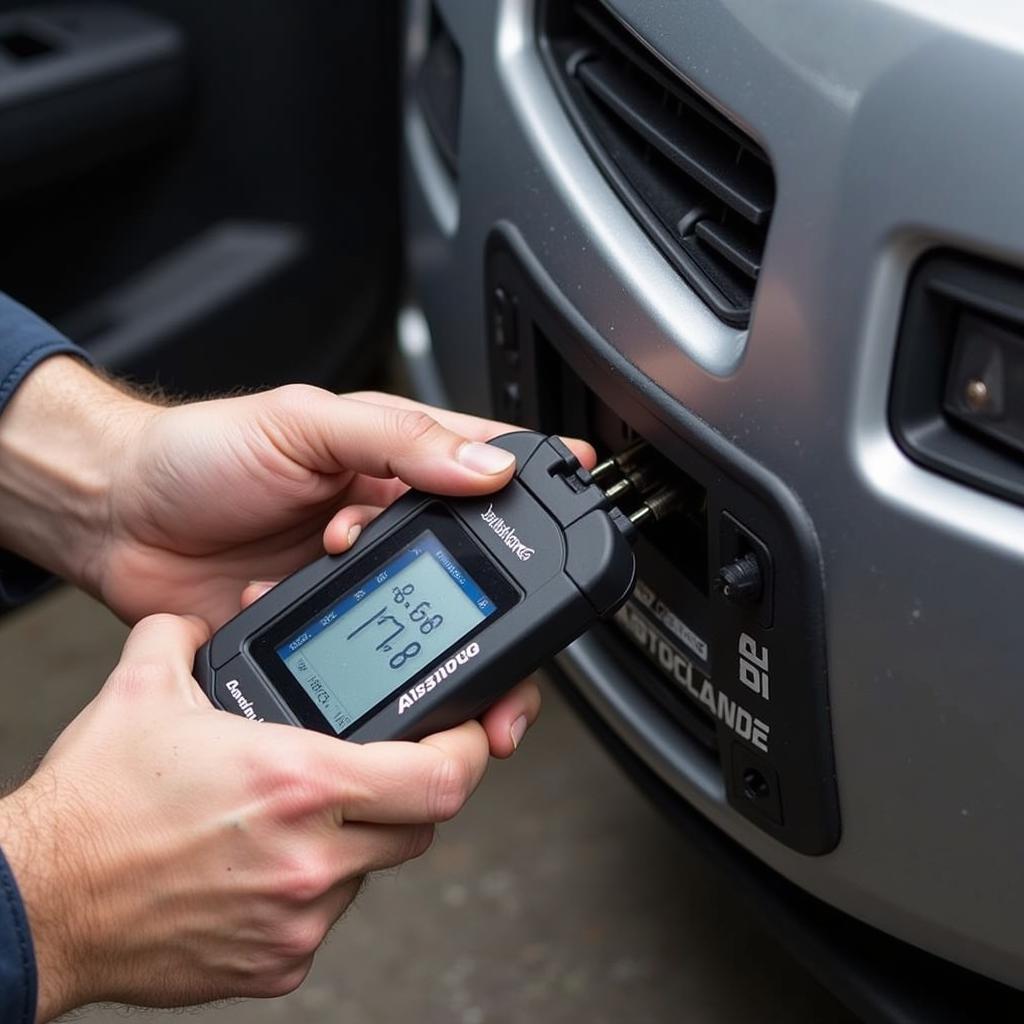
pixel 441 606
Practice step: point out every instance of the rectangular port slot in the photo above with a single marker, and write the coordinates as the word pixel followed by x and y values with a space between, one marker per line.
pixel 722 637
pixel 666 622
pixel 565 405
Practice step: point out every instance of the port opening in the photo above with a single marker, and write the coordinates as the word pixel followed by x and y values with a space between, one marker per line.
pixel 672 553
pixel 565 405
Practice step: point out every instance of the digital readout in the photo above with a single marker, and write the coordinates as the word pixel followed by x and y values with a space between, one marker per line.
pixel 380 634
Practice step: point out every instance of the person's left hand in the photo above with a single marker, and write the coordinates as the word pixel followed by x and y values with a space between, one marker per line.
pixel 214 496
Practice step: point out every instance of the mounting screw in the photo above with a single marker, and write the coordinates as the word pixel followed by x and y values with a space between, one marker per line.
pixel 976 395
pixel 755 785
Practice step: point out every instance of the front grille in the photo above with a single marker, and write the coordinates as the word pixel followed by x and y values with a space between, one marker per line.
pixel 701 189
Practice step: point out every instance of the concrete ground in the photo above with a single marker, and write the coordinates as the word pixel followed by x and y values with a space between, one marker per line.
pixel 558 896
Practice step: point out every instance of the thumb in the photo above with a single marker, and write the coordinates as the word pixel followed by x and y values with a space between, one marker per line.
pixel 164 646
pixel 384 441
pixel 155 665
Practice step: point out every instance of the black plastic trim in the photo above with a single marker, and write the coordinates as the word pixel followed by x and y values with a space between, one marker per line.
pixel 741 485
pixel 738 198
pixel 944 286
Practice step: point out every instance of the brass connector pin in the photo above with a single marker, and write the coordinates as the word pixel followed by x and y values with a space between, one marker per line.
pixel 640 478
pixel 618 463
pixel 663 502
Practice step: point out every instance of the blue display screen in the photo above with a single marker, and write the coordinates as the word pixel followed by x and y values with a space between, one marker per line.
pixel 382 632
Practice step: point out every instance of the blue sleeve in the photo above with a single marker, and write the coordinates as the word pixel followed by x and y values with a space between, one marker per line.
pixel 18 991
pixel 25 341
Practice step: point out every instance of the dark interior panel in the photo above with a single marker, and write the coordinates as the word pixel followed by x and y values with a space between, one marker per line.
pixel 284 140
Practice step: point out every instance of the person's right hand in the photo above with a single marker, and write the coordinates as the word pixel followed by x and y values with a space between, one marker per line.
pixel 169 853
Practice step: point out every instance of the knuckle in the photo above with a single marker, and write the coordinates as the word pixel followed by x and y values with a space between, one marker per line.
pixel 156 622
pixel 288 785
pixel 298 940
pixel 304 880
pixel 139 679
pixel 290 402
pixel 420 841
pixel 279 980
pixel 296 395
pixel 415 425
pixel 375 397
pixel 449 789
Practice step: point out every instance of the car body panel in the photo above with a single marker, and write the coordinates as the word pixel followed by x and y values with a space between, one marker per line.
pixel 887 128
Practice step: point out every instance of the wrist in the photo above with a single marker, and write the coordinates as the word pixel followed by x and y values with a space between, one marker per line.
pixel 61 437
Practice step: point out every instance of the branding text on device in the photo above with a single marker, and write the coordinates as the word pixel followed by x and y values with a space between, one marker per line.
pixel 442 672
pixel 244 705
pixel 506 533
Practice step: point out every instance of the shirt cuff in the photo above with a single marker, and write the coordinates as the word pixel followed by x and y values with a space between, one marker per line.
pixel 18 979
pixel 25 341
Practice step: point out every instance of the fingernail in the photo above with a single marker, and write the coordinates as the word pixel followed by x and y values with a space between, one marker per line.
pixel 353 534
pixel 518 731
pixel 485 458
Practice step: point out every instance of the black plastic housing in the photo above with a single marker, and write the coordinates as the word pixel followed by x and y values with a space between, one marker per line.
pixel 747 682
pixel 580 567
pixel 959 310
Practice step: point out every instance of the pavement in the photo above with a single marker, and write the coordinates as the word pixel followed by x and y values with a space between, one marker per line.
pixel 558 896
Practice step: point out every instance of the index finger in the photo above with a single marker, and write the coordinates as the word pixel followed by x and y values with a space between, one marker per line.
pixel 477 428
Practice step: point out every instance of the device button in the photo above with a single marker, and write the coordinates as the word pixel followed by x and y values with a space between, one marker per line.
pixel 740 581
pixel 745 578
pixel 239 690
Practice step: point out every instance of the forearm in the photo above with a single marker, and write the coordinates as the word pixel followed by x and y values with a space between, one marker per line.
pixel 61 435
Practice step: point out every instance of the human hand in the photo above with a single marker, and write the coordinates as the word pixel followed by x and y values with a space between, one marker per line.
pixel 170 854
pixel 210 496
pixel 177 508
pixel 156 508
pixel 218 493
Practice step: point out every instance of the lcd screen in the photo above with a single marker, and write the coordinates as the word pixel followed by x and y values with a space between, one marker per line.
pixel 381 633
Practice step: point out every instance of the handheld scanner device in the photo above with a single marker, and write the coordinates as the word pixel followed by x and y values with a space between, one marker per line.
pixel 441 606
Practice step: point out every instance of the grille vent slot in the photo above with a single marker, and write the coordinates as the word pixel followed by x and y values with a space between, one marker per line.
pixel 439 90
pixel 699 186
